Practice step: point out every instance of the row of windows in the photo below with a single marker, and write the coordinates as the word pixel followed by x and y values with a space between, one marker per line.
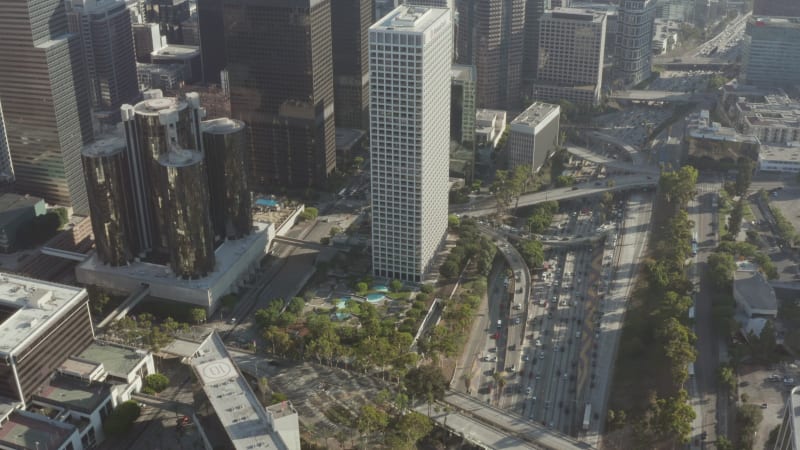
pixel 377 38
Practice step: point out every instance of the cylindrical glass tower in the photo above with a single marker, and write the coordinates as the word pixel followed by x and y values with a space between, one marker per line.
pixel 105 167
pixel 224 141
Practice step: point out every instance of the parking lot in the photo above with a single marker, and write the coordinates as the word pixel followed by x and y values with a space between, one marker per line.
pixel 767 389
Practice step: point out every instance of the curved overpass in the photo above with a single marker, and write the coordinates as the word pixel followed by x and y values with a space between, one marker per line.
pixel 488 206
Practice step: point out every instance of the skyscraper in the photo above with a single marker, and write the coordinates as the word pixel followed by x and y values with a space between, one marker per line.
pixel 6 168
pixel 534 9
pixel 170 16
pixel 351 20
pixel 771 54
pixel 410 53
pixel 491 37
pixel 280 73
pixel 105 31
pixel 212 39
pixel 780 8
pixel 571 49
pixel 45 100
pixel 634 50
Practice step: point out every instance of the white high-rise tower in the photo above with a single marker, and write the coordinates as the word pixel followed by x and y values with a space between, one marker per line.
pixel 410 52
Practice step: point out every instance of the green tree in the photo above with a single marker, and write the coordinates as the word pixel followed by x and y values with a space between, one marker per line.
pixel 296 306
pixel 453 222
pixel 425 383
pixel 449 269
pixel 371 420
pixel 671 417
pixel 735 219
pixel 310 213
pixel 748 418
pixel 121 418
pixel 395 285
pixel 564 181
pixel 156 382
pixel 428 288
pixel 720 270
pixel 533 253
pixel 727 378
pixel 361 288
pixel 724 443
pixel 407 430
pixel 198 315
pixel 743 176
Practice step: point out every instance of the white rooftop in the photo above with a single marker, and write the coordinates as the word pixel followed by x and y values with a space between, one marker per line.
pixel 32 305
pixel 409 19
pixel 789 152
pixel 537 113
pixel 237 407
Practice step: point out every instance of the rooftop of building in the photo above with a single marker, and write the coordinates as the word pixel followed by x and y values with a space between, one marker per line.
pixel 117 359
pixel 609 8
pixel 463 72
pixel 226 255
pixel 170 69
pixel 83 369
pixel 774 21
pixel 31 431
pixel 159 105
pixel 700 126
pixel 177 51
pixel 222 125
pixel 180 157
pixel 775 110
pixel 489 114
pixel 409 19
pixel 348 137
pixel 11 204
pixel 105 145
pixel 237 407
pixel 96 6
pixel 580 14
pixel 73 393
pixel 790 152
pixel 28 307
pixel 754 288
pixel 537 113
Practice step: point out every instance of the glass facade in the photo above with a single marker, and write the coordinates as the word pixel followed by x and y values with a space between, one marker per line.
pixel 225 141
pixel 280 71
pixel 351 20
pixel 45 101
pixel 105 165
pixel 183 184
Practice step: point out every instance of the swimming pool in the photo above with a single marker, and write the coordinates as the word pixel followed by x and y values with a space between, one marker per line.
pixel 375 298
pixel 380 288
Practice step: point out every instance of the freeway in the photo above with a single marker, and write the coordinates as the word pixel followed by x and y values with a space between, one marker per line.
pixel 652 96
pixel 513 428
pixel 591 156
pixel 487 205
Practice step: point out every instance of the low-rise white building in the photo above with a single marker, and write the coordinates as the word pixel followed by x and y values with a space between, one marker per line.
pixel 779 158
pixel 489 126
pixel 533 136
pixel 752 293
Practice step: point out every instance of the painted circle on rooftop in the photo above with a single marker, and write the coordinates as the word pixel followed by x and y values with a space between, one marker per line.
pixel 217 369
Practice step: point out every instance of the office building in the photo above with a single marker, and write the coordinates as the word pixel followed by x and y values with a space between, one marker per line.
pixel 462 122
pixel 212 39
pixel 409 138
pixel 16 214
pixel 6 166
pixel 172 210
pixel 533 136
pixel 489 127
pixel 611 11
pixel 777 8
pixel 105 31
pixel 247 424
pixel 46 102
pixel 771 55
pixel 383 7
pixel 41 325
pixel 774 119
pixel 350 21
pixel 146 40
pixel 534 9
pixel 280 72
pixel 170 16
pixel 571 52
pixel 431 3
pixel 166 77
pixel 187 56
pixel 634 49
pixel 183 187
pixel 491 35
pixel 677 10
pixel 462 104
pixel 105 163
pixel 561 3
pixel 225 145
